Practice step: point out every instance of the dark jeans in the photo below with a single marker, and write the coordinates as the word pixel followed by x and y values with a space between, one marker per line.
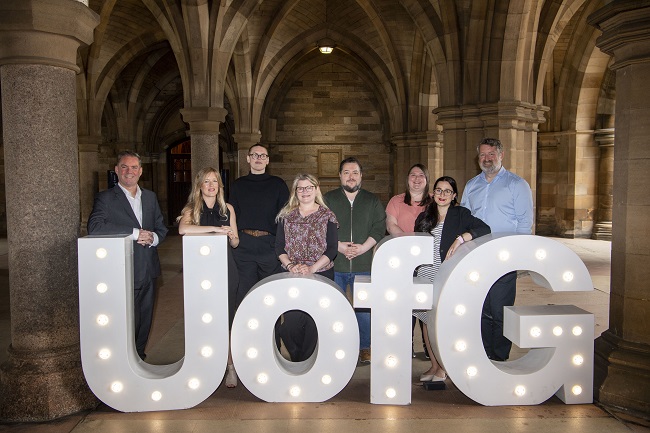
pixel 501 294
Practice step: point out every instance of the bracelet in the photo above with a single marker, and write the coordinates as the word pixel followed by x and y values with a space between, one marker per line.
pixel 289 265
pixel 462 241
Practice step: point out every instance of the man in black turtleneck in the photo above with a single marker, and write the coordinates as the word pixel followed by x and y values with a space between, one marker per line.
pixel 257 198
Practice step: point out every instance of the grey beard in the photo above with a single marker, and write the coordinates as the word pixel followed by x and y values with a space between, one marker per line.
pixel 352 189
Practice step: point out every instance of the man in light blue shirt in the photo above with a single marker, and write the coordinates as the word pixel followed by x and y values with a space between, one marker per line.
pixel 503 201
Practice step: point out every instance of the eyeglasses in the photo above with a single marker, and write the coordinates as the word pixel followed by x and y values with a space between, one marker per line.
pixel 309 188
pixel 262 156
pixel 446 192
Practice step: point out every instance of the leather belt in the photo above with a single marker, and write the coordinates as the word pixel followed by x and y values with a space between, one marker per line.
pixel 256 233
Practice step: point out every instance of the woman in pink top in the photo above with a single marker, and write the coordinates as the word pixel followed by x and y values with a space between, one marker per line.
pixel 403 209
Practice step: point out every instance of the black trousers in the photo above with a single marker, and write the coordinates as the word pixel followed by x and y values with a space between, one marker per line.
pixel 501 294
pixel 256 260
pixel 144 295
pixel 298 331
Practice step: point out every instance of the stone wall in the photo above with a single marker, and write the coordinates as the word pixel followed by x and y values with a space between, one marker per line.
pixel 330 109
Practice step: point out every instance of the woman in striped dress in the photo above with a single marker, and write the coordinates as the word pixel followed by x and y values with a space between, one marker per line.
pixel 451 226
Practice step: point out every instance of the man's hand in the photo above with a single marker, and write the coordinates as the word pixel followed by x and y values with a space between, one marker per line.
pixel 145 238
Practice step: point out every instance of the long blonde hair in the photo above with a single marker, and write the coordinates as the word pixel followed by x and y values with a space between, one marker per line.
pixel 194 203
pixel 293 202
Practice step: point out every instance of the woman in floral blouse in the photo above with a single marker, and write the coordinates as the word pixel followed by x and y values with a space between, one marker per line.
pixel 306 243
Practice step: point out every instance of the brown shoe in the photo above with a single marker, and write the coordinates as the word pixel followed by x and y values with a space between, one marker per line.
pixel 364 355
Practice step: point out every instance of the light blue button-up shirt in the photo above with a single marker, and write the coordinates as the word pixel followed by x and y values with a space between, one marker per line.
pixel 505 204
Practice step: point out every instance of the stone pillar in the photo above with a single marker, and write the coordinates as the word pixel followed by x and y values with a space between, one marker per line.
pixel 42 378
pixel 204 130
pixel 603 227
pixel 622 353
pixel 88 176
pixel 244 142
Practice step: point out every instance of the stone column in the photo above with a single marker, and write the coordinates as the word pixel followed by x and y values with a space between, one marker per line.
pixel 42 378
pixel 88 176
pixel 603 227
pixel 622 353
pixel 204 129
pixel 244 142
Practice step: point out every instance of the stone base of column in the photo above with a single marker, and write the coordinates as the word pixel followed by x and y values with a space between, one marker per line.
pixel 603 231
pixel 622 378
pixel 43 386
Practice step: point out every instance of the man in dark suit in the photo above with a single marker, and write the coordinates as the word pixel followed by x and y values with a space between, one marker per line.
pixel 126 209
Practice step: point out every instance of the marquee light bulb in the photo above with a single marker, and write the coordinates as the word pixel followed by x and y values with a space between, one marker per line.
pixel 205 284
pixel 269 300
pixel 504 256
pixel 101 253
pixel 204 250
pixel 262 378
pixel 391 295
pixel 102 287
pixel 557 331
pixel 535 331
pixel 206 318
pixel 577 330
pixel 294 292
pixel 474 276
pixel 540 254
pixel 340 354
pixel 567 276
pixel 337 327
pixel 117 387
pixel 193 383
pixel 460 310
pixel 415 251
pixel 206 351
pixel 326 379
pixel 102 320
pixel 156 395
pixel 471 371
pixel 520 390
pixel 253 324
pixel 391 329
pixel 391 393
pixel 576 390
pixel 391 361
pixel 294 391
pixel 104 354
pixel 393 262
pixel 324 302
pixel 578 360
pixel 251 353
pixel 421 297
pixel 362 295
pixel 460 346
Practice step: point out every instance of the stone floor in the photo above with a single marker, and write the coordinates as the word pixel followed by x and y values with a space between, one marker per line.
pixel 237 410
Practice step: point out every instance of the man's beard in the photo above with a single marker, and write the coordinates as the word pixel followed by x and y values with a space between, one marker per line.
pixel 492 169
pixel 352 188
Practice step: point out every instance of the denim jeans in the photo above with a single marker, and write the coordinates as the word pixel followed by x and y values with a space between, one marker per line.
pixel 343 279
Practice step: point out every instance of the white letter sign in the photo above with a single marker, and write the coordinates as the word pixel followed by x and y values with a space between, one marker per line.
pixel 560 337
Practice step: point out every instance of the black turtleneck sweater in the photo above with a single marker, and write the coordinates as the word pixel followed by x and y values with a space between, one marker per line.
pixel 257 199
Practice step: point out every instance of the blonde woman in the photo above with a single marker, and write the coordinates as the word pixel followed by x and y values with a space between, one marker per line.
pixel 306 243
pixel 206 211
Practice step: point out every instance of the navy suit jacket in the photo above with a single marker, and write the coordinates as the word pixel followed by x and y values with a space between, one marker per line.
pixel 112 215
